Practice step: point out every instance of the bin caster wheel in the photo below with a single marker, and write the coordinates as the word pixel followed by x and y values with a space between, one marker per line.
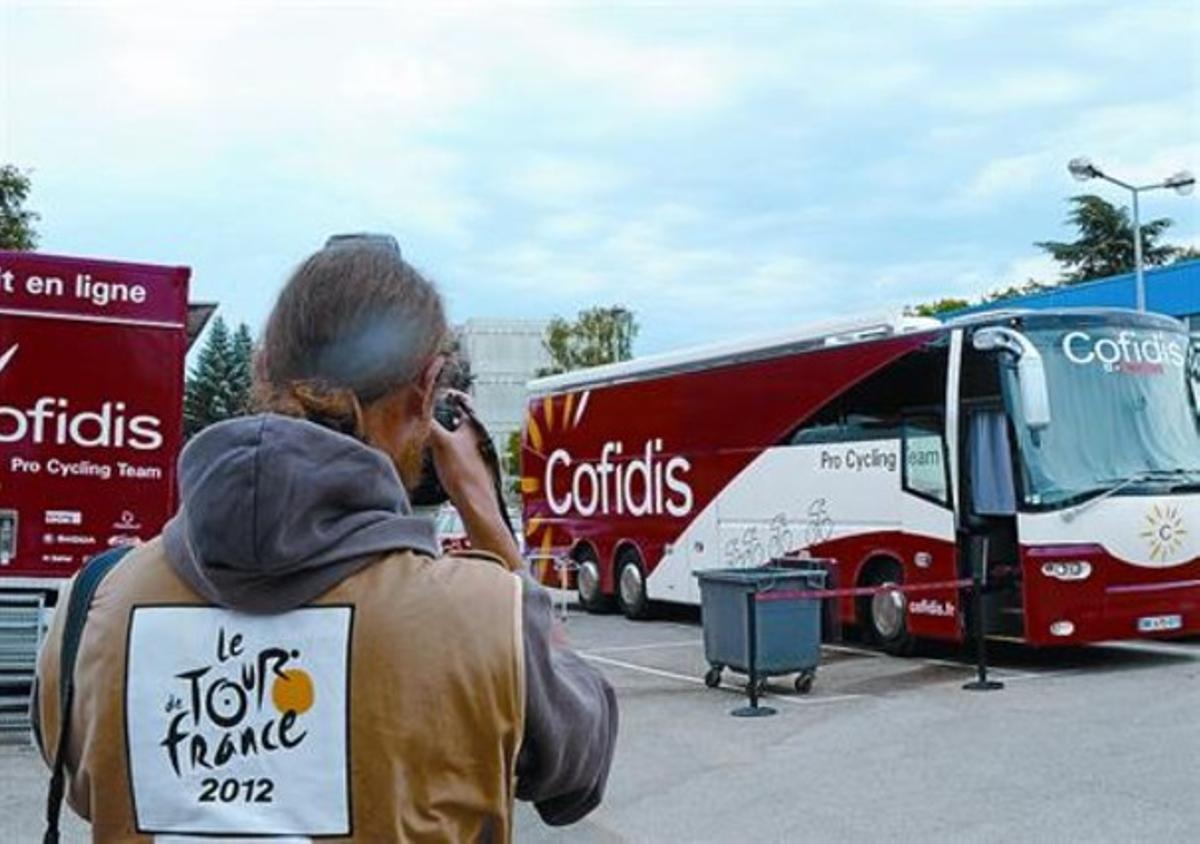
pixel 804 682
pixel 712 677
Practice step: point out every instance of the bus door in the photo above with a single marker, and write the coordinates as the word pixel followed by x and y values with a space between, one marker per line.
pixel 990 513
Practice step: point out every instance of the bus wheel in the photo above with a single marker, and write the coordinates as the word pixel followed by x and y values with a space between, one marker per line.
pixel 587 579
pixel 631 585
pixel 886 613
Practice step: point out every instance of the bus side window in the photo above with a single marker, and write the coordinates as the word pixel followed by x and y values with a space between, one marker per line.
pixel 925 470
pixel 825 427
pixel 873 408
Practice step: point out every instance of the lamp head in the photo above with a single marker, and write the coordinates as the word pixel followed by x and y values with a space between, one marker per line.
pixel 1182 182
pixel 1082 169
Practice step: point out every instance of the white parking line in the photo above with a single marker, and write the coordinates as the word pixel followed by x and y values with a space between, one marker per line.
pixel 850 649
pixel 684 678
pixel 649 646
pixel 1046 675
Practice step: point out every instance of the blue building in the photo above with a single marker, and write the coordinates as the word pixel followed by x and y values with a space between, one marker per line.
pixel 1173 290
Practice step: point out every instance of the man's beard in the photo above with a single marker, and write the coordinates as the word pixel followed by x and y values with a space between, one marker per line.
pixel 411 460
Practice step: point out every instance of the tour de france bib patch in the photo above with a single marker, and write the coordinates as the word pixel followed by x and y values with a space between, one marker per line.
pixel 239 724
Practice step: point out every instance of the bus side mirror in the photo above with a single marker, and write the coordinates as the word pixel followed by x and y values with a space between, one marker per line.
pixel 1035 394
pixel 1031 372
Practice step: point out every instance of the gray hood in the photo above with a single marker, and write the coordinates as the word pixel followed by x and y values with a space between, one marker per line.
pixel 274 511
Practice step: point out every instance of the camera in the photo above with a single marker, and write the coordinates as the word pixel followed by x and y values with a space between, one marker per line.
pixel 448 412
pixel 451 413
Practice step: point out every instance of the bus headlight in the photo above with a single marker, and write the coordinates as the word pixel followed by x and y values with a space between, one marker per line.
pixel 1062 628
pixel 1068 570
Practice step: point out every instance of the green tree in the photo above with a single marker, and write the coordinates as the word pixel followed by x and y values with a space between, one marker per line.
pixel 1187 253
pixel 241 369
pixel 16 222
pixel 1104 246
pixel 596 336
pixel 1014 291
pixel 218 387
pixel 937 308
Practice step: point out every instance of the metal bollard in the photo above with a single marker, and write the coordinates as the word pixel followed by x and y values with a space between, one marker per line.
pixel 753 710
pixel 981 683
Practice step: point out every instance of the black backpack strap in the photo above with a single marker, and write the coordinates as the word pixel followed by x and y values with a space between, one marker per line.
pixel 86 582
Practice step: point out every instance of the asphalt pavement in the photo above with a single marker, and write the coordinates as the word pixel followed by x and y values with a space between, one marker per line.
pixel 1091 744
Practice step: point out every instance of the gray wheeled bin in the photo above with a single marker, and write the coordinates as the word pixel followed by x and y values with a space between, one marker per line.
pixel 787 631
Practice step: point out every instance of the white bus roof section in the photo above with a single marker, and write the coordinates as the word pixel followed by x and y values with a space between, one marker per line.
pixel 809 337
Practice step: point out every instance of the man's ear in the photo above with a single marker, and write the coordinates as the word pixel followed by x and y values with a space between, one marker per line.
pixel 426 391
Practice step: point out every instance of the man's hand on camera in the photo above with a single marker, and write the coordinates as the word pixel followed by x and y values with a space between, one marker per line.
pixel 460 467
pixel 468 481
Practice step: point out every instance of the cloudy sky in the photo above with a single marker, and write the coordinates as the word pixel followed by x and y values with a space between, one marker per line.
pixel 721 169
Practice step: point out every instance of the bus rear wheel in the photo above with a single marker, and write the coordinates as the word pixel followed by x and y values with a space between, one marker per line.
pixel 631 585
pixel 885 614
pixel 587 582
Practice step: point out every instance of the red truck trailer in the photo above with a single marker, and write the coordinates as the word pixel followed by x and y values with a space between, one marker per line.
pixel 91 409
pixel 1068 440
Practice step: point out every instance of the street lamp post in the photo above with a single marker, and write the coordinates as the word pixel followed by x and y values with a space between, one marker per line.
pixel 1182 183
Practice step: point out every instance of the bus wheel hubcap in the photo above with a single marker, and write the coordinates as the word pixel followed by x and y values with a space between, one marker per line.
pixel 589 580
pixel 887 613
pixel 631 585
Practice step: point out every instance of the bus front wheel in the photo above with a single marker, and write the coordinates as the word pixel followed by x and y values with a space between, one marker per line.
pixel 885 614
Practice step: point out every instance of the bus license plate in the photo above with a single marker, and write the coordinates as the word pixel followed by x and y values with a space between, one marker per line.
pixel 1158 623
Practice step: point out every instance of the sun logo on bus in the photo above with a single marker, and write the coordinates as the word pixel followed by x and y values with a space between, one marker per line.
pixel 552 413
pixel 1164 532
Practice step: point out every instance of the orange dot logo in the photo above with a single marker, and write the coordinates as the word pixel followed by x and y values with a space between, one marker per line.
pixel 293 691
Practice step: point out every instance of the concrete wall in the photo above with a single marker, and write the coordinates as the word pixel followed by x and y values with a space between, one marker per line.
pixel 504 355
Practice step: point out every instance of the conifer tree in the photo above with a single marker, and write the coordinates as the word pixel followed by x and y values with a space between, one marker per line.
pixel 242 368
pixel 218 386
pixel 16 222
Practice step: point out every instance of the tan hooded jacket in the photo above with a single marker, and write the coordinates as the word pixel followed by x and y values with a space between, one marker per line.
pixel 411 699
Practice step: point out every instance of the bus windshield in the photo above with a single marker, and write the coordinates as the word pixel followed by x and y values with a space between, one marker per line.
pixel 1121 411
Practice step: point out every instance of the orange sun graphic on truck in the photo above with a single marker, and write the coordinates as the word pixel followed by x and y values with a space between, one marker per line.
pixel 545 416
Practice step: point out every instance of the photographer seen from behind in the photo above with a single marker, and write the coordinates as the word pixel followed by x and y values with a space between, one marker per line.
pixel 293 656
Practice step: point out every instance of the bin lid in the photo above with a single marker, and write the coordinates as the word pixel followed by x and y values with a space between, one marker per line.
pixel 764 577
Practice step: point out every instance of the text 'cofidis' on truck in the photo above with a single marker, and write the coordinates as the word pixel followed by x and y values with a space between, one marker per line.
pixel 1067 439
pixel 91 409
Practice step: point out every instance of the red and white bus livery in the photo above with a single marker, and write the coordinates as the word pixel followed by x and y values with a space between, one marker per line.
pixel 1067 439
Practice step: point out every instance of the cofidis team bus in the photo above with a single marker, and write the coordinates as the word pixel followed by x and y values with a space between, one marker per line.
pixel 1067 439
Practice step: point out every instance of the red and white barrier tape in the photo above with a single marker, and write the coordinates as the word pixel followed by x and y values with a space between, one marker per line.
pixel 860 591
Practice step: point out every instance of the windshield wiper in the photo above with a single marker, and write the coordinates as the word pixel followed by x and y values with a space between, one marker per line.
pixel 1190 485
pixel 1103 492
